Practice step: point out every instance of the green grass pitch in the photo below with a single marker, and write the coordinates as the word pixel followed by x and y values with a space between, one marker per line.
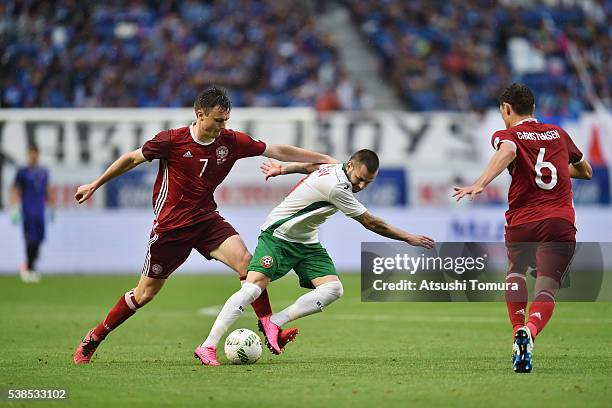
pixel 354 354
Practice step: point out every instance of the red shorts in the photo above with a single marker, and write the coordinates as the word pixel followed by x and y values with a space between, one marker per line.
pixel 547 245
pixel 168 250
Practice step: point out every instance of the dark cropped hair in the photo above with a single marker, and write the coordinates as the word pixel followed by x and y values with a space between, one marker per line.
pixel 520 97
pixel 211 97
pixel 367 157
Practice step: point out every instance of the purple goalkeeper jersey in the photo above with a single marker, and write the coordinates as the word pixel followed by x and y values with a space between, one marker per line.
pixel 33 183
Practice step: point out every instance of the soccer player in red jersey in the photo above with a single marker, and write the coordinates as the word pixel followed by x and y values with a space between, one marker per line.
pixel 541 159
pixel 193 161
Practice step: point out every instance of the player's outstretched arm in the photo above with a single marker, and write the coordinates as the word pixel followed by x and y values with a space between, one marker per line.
pixel 581 170
pixel 500 160
pixel 381 227
pixel 272 168
pixel 124 163
pixel 289 153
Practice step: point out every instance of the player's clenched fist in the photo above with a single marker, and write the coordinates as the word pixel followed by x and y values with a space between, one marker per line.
pixel 84 192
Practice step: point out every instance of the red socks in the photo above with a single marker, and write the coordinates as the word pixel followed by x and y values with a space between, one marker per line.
pixel 540 312
pixel 516 300
pixel 261 305
pixel 125 307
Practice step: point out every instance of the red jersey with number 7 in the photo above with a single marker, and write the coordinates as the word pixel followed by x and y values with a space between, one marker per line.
pixel 190 171
pixel 541 187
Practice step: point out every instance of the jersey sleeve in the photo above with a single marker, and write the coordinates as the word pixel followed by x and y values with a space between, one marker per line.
pixel 344 200
pixel 246 146
pixel 158 147
pixel 503 136
pixel 19 179
pixel 575 155
pixel 47 181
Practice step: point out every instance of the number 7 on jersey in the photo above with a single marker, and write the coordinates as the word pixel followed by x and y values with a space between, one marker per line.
pixel 204 166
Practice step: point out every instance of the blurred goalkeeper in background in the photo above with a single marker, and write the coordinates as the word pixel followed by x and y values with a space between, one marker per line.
pixel 29 196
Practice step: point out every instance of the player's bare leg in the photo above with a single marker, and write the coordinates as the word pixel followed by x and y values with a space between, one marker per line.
pixel 234 253
pixel 147 289
pixel 548 284
pixel 127 305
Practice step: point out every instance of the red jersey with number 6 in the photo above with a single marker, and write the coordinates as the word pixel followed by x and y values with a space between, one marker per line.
pixel 190 171
pixel 541 187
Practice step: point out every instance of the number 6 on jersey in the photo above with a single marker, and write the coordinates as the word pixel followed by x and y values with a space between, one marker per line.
pixel 541 164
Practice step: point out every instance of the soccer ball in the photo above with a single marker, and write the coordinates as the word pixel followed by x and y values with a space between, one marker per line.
pixel 243 346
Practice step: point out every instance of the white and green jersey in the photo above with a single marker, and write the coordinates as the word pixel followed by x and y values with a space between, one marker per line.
pixel 311 202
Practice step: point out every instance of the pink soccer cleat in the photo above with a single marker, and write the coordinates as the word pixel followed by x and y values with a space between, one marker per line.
pixel 271 332
pixel 207 355
pixel 86 350
pixel 286 336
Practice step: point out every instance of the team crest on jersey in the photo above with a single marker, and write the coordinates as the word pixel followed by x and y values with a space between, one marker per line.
pixel 266 261
pixel 222 153
pixel 157 269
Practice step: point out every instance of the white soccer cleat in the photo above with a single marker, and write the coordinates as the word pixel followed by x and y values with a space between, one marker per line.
pixel 28 276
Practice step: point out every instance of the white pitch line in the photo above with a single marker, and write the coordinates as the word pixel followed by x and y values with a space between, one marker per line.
pixel 210 310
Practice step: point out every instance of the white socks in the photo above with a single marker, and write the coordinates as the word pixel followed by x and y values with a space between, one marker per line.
pixel 307 304
pixel 310 303
pixel 233 308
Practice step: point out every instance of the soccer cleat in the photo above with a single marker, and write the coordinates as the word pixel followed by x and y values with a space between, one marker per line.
pixel 86 350
pixel 34 277
pixel 287 336
pixel 28 276
pixel 207 355
pixel 24 274
pixel 522 351
pixel 271 333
